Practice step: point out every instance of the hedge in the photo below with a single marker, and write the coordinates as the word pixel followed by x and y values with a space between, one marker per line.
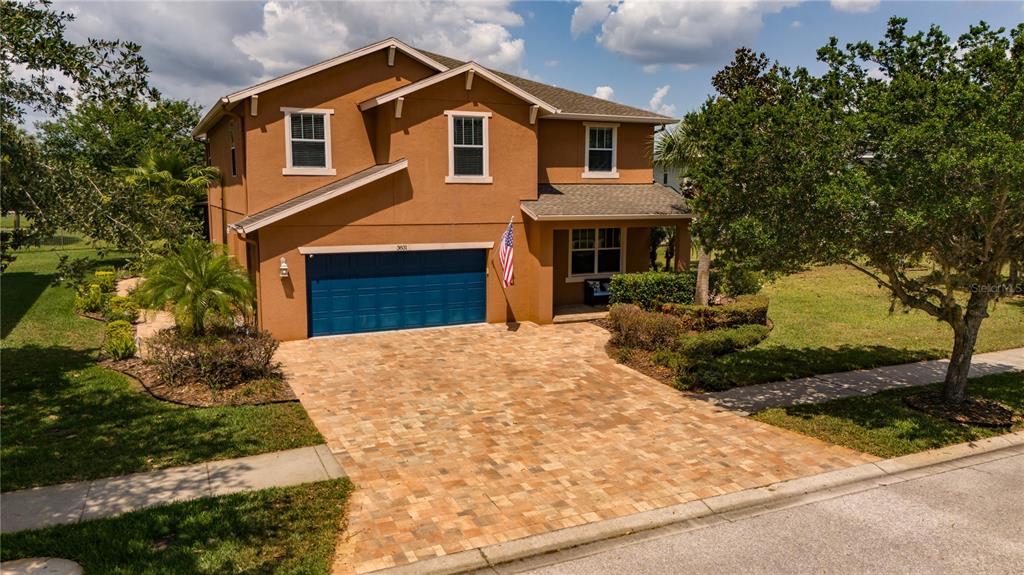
pixel 635 328
pixel 650 290
pixel 692 357
pixel 747 309
pixel 120 340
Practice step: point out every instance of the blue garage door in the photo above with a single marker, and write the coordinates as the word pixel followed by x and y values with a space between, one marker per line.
pixel 352 293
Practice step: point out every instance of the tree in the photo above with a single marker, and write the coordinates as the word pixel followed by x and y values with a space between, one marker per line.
pixel 203 283
pixel 904 152
pixel 676 150
pixel 169 175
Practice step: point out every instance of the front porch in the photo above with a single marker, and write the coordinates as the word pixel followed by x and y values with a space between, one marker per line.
pixel 575 313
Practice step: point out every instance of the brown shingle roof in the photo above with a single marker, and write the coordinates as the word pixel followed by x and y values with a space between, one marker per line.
pixel 563 201
pixel 567 101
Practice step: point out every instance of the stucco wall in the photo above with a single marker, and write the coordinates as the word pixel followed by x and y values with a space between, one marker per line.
pixel 562 153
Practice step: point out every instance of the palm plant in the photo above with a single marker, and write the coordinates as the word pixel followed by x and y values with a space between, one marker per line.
pixel 675 150
pixel 203 283
pixel 169 172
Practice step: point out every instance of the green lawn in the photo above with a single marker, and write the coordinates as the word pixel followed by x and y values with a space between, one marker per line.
pixel 281 530
pixel 833 318
pixel 882 425
pixel 66 419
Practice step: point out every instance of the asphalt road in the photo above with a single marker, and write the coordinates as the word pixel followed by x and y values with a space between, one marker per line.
pixel 969 520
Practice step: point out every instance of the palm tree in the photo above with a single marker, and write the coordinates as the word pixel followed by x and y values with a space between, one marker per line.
pixel 675 150
pixel 202 282
pixel 171 174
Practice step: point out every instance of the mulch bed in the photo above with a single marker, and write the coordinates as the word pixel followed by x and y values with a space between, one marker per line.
pixel 974 411
pixel 640 360
pixel 198 394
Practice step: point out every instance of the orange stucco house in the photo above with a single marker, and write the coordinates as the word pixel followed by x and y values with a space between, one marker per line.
pixel 371 191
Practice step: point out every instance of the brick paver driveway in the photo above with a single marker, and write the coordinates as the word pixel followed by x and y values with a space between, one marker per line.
pixel 462 437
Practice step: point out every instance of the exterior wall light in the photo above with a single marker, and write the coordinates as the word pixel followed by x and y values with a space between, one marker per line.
pixel 283 267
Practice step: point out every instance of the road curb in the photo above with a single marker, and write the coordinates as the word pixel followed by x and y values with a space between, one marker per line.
pixel 731 506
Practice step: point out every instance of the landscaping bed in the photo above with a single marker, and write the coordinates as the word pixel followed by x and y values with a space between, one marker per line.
pixel 280 530
pixel 66 418
pixel 884 425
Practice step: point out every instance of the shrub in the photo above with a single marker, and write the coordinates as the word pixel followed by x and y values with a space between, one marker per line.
pixel 747 309
pixel 736 279
pixel 91 298
pixel 106 279
pixel 122 308
pixel 635 328
pixel 120 340
pixel 693 356
pixel 223 359
pixel 650 290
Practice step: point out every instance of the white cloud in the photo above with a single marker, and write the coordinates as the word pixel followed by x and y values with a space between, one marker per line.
pixel 604 92
pixel 651 69
pixel 658 104
pixel 796 24
pixel 687 32
pixel 551 63
pixel 855 5
pixel 203 50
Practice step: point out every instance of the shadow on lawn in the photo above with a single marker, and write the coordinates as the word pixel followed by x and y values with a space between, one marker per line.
pixel 66 419
pixel 767 364
pixel 21 290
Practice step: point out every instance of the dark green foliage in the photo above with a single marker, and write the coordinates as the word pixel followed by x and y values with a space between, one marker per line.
pixel 736 278
pixel 119 340
pixel 221 359
pixel 747 309
pixel 693 355
pixel 122 308
pixel 650 290
pixel 635 328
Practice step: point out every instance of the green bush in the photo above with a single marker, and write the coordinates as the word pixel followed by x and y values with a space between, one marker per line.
pixel 736 279
pixel 220 359
pixel 91 298
pixel 122 308
pixel 747 309
pixel 692 358
pixel 650 290
pixel 120 340
pixel 106 279
pixel 635 328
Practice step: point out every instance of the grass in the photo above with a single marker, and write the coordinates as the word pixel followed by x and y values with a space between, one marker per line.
pixel 280 530
pixel 833 318
pixel 66 419
pixel 882 425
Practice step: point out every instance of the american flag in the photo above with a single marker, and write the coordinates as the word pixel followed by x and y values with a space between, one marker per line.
pixel 506 256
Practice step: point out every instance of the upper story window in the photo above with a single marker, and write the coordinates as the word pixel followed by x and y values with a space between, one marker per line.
pixel 595 251
pixel 468 152
pixel 234 154
pixel 601 151
pixel 307 142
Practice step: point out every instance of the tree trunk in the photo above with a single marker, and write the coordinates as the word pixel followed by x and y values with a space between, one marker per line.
pixel 701 295
pixel 965 336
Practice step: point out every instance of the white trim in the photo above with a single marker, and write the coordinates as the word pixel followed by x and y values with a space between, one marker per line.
pixel 533 114
pixel 588 277
pixel 606 217
pixel 613 118
pixel 289 169
pixel 613 174
pixel 391 55
pixel 469 80
pixel 465 68
pixel 398 107
pixel 597 239
pixel 484 178
pixel 368 248
pixel 393 168
pixel 254 105
pixel 217 110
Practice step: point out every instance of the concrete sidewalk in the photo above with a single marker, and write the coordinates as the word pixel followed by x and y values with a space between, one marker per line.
pixel 820 388
pixel 85 500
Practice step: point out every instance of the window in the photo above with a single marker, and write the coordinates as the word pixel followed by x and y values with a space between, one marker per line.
pixel 601 153
pixel 467 148
pixel 595 251
pixel 231 142
pixel 307 142
pixel 664 178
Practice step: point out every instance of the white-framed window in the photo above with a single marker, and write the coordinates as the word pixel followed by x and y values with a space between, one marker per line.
pixel 601 151
pixel 468 148
pixel 307 142
pixel 595 252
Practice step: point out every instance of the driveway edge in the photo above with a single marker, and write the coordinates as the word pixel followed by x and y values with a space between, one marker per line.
pixel 729 507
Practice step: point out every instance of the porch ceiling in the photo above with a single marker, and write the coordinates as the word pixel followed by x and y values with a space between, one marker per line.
pixel 606 201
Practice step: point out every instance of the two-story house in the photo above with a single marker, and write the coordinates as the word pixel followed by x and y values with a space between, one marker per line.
pixel 371 192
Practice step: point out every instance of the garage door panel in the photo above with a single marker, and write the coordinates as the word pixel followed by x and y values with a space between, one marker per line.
pixel 359 292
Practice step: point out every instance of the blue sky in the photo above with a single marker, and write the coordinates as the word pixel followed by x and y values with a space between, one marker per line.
pixel 203 50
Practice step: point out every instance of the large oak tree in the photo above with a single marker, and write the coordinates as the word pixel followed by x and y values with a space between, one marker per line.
pixel 904 155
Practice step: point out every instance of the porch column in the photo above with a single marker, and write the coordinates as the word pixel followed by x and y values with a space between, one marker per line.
pixel 682 246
